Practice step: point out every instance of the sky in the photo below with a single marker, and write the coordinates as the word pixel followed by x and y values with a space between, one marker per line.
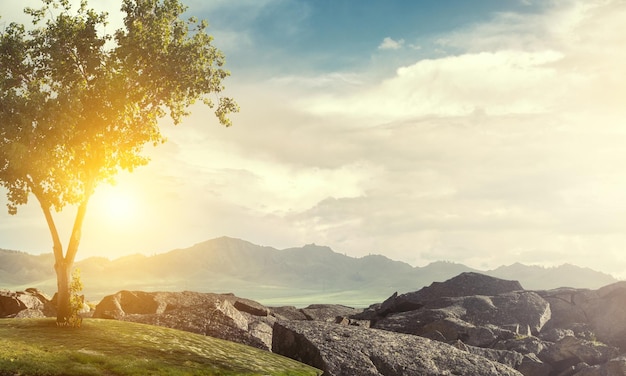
pixel 482 132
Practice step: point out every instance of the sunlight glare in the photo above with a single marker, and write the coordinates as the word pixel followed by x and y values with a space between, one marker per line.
pixel 115 205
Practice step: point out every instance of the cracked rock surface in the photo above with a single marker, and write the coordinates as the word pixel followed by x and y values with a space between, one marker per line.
pixel 352 350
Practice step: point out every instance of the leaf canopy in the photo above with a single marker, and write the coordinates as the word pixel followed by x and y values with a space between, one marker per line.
pixel 78 105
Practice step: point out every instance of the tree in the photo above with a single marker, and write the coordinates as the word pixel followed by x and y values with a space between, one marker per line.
pixel 77 105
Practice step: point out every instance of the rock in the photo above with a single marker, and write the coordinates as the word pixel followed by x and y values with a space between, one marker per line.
pixel 571 351
pixel 522 345
pixel 288 313
pixel 475 320
pixel 614 367
pixel 464 285
pixel 126 303
pixel 599 312
pixel 251 307
pixel 342 320
pixel 564 306
pixel 395 304
pixel 607 316
pixel 216 315
pixel 328 312
pixel 12 303
pixel 532 366
pixel 468 284
pixel 573 370
pixel 510 358
pixel 30 314
pixel 349 350
pixel 262 331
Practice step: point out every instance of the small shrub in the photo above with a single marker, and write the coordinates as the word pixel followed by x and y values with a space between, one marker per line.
pixel 77 301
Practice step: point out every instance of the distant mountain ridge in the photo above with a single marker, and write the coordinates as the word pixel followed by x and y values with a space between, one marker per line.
pixel 297 276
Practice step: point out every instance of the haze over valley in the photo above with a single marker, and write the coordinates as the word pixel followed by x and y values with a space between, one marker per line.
pixel 295 276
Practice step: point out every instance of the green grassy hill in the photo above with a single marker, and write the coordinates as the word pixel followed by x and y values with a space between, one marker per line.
pixel 107 347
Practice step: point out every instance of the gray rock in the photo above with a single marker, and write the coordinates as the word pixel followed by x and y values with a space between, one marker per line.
pixel 510 358
pixel 475 320
pixel 288 313
pixel 467 284
pixel 533 366
pixel 607 315
pixel 30 314
pixel 216 315
pixel 614 367
pixel 350 350
pixel 328 312
pixel 522 344
pixel 316 312
pixel 573 370
pixel 599 312
pixel 571 351
pixel 250 306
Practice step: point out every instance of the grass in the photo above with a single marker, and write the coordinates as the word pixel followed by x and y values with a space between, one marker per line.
pixel 37 347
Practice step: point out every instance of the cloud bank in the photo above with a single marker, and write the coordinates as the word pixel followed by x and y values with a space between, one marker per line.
pixel 501 142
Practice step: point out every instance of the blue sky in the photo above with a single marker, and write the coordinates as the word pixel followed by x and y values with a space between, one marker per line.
pixel 318 36
pixel 480 132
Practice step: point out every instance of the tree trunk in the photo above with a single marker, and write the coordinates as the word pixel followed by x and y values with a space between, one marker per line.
pixel 63 271
pixel 63 263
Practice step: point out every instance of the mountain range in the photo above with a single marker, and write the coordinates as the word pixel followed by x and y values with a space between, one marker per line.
pixel 294 276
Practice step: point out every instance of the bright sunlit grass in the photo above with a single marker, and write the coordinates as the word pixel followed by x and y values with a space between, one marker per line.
pixel 107 347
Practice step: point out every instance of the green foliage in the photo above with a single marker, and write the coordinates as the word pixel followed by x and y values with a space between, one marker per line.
pixel 77 105
pixel 107 347
pixel 77 301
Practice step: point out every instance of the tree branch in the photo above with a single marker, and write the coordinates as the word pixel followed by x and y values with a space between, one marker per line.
pixel 72 247
pixel 57 247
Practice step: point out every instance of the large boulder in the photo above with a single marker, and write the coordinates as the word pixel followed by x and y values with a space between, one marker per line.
pixel 465 284
pixel 614 367
pixel 218 315
pixel 289 313
pixel 598 311
pixel 9 304
pixel 570 351
pixel 351 350
pixel 12 303
pixel 328 312
pixel 124 303
pixel 476 320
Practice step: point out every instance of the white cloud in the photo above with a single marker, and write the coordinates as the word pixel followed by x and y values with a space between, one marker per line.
pixel 391 44
pixel 510 150
pixel 498 82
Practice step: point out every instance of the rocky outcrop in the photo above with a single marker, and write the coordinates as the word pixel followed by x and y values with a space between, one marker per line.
pixel 475 320
pixel 350 350
pixel 471 324
pixel 223 316
pixel 28 303
pixel 494 310
pixel 570 351
pixel 599 312
pixel 315 312
pixel 614 367
pixel 465 284
pixel 538 333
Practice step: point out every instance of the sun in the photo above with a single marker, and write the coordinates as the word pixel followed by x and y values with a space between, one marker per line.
pixel 115 205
